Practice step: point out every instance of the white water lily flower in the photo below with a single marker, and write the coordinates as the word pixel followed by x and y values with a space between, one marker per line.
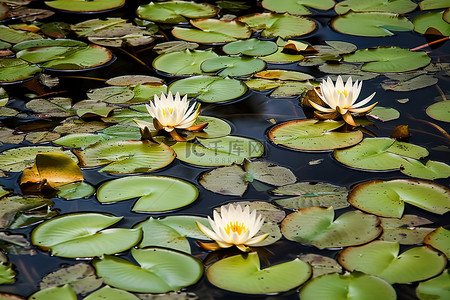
pixel 172 113
pixel 235 226
pixel 341 99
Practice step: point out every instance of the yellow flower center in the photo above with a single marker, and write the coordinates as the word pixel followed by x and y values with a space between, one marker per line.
pixel 343 92
pixel 239 228
pixel 165 110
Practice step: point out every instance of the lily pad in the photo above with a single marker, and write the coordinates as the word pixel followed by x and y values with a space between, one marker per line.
pixel 233 65
pixel 279 57
pixel 384 114
pixel 382 259
pixel 405 231
pixel 250 47
pixel 55 293
pixel 439 111
pixel 431 170
pixel 15 70
pixel 308 194
pixel 315 226
pixel 389 59
pixel 434 20
pixel 56 107
pixel 123 157
pixel 393 6
pixel 210 89
pixel 379 154
pixel 222 151
pixel 170 62
pixel 92 6
pixel 439 239
pixel 284 75
pixel 337 286
pixel 295 7
pixel 111 293
pixel 75 190
pixel 14 36
pixel 159 271
pixel 175 11
pixel 435 288
pixel 244 275
pixel 111 94
pixel 156 193
pixel 22 211
pixel 172 232
pixel 391 195
pixel 17 159
pixel 399 83
pixel 213 31
pixel 433 4
pixel 320 264
pixel 84 235
pixel 275 25
pixel 312 135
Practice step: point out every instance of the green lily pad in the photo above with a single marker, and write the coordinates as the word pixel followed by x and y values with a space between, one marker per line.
pixel 191 61
pixel 75 190
pixel 212 31
pixel 233 65
pixel 431 20
pixel 92 6
pixel 337 286
pixel 172 232
pixel 308 194
pixel 111 293
pixel 123 157
pixel 14 36
pixel 344 68
pixel 384 114
pixel 433 4
pixel 295 7
pixel 439 111
pixel 389 59
pixel 15 70
pixel 159 271
pixel 435 288
pixel 393 6
pixel 280 57
pixel 55 293
pixel 315 226
pixel 431 170
pixel 174 46
pixel 111 94
pixel 371 23
pixel 84 235
pixel 401 83
pixel 282 88
pixel 391 195
pixel 210 89
pixel 175 11
pixel 439 239
pixel 312 135
pixel 222 151
pixel 244 275
pixel 7 274
pixel 156 193
pixel 275 25
pixel 216 127
pixel 17 159
pixel 250 47
pixel 379 154
pixel 382 259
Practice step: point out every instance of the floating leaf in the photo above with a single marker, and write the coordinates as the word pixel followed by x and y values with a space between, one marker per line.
pixel 175 11
pixel 284 75
pixel 157 193
pixel 393 6
pixel 222 151
pixel 342 69
pixel 93 6
pixel 435 288
pixel 111 293
pixel 321 265
pixel 13 36
pixel 312 135
pixel 171 232
pixel 244 275
pixel 210 89
pixel 279 25
pixel 159 271
pixel 55 293
pixel 280 57
pixel 434 20
pixel 212 31
pixel 250 47
pixel 75 190
pixel 431 170
pixel 7 274
pixel 111 94
pixel 433 4
pixel 337 286
pixel 439 111
pixel 14 70
pixel 55 107
pixel 386 198
pixel 310 194
pixel 84 235
pixel 174 46
pixel 399 84
pixel 295 7
pixel 170 62
pixel 315 226
pixel 123 157
pixel 81 278
pixel 389 59
pixel 384 114
pixel 439 239
pixel 404 231
pixel 233 65
pixel 382 259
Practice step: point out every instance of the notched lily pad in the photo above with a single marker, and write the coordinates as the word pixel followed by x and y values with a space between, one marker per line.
pixel 439 239
pixel 233 65
pixel 435 288
pixel 250 47
pixel 191 61
pixel 15 70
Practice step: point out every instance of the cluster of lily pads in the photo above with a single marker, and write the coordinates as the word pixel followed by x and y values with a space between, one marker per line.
pixel 218 59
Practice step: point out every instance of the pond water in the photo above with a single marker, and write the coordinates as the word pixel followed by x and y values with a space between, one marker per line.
pixel 250 118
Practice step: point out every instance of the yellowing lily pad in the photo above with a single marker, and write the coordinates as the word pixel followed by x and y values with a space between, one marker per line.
pixel 244 275
pixel 156 193
pixel 382 259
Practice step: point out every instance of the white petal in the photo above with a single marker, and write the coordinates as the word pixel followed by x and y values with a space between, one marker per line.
pixel 364 102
